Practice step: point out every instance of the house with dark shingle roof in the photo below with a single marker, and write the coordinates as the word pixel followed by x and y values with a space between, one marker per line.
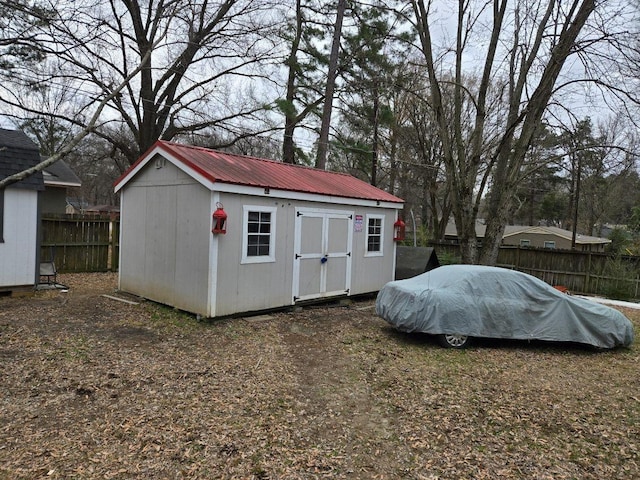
pixel 19 220
pixel 59 180
pixel 218 234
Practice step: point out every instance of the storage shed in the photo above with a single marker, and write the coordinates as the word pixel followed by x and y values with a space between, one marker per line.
pixel 19 218
pixel 283 233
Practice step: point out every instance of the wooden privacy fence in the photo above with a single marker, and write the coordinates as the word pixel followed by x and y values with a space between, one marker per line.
pixel 581 272
pixel 80 243
pixel 89 243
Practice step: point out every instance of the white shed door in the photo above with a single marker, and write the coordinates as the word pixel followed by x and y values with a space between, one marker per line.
pixel 322 257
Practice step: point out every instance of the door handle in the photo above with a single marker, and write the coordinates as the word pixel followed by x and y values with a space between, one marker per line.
pixel 324 259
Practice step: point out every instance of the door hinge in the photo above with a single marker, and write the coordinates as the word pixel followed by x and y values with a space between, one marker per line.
pixel 299 214
pixel 298 256
pixel 348 254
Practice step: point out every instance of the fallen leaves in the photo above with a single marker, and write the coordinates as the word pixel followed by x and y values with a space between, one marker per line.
pixel 96 388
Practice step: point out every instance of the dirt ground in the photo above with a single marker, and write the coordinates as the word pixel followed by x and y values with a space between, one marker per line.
pixel 96 388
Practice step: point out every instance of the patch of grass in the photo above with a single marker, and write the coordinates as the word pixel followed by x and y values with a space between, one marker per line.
pixel 72 347
pixel 165 316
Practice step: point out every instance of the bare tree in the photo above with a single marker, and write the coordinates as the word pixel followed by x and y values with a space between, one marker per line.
pixel 20 22
pixel 71 143
pixel 201 61
pixel 523 57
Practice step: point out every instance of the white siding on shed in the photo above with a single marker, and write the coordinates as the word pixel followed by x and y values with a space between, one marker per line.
pixel 282 245
pixel 243 287
pixel 165 236
pixel 18 251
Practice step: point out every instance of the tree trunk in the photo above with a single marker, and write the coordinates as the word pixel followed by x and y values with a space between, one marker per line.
pixel 290 120
pixel 374 147
pixel 576 205
pixel 323 141
pixel 494 232
pixel 511 152
pixel 466 230
pixel 393 165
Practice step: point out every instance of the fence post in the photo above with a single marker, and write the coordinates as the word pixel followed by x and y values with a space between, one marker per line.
pixel 587 277
pixel 113 240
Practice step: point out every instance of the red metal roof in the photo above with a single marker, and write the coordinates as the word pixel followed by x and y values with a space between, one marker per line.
pixel 256 172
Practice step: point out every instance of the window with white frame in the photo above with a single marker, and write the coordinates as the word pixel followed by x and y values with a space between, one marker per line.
pixel 375 235
pixel 259 232
pixel 550 244
pixel 525 243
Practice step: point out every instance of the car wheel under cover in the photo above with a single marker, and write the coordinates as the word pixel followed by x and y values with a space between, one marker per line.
pixel 454 341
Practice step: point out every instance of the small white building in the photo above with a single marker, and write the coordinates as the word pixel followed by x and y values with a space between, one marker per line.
pixel 291 233
pixel 19 218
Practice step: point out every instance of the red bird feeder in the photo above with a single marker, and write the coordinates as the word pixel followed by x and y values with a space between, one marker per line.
pixel 219 220
pixel 398 230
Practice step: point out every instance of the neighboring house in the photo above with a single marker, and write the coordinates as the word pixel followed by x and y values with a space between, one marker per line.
pixel 283 233
pixel 76 205
pixel 19 218
pixel 537 236
pixel 551 237
pixel 112 210
pixel 58 180
pixel 80 206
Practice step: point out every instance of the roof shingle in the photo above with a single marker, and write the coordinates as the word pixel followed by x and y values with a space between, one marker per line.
pixel 17 153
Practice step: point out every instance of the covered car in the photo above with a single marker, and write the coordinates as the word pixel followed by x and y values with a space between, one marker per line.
pixel 459 302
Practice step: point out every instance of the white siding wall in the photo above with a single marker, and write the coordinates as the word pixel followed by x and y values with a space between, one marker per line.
pixel 18 252
pixel 249 287
pixel 253 286
pixel 370 273
pixel 166 223
pixel 166 238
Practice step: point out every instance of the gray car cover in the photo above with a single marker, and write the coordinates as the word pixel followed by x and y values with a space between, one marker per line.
pixel 493 302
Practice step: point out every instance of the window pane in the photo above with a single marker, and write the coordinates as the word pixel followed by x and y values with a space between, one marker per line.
pixel 258 232
pixel 374 235
pixel 375 226
pixel 265 228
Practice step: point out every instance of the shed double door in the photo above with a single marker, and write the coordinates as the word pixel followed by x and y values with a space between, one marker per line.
pixel 322 256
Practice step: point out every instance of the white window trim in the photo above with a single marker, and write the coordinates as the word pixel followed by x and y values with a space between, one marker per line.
pixel 245 234
pixel 525 242
pixel 367 253
pixel 550 244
